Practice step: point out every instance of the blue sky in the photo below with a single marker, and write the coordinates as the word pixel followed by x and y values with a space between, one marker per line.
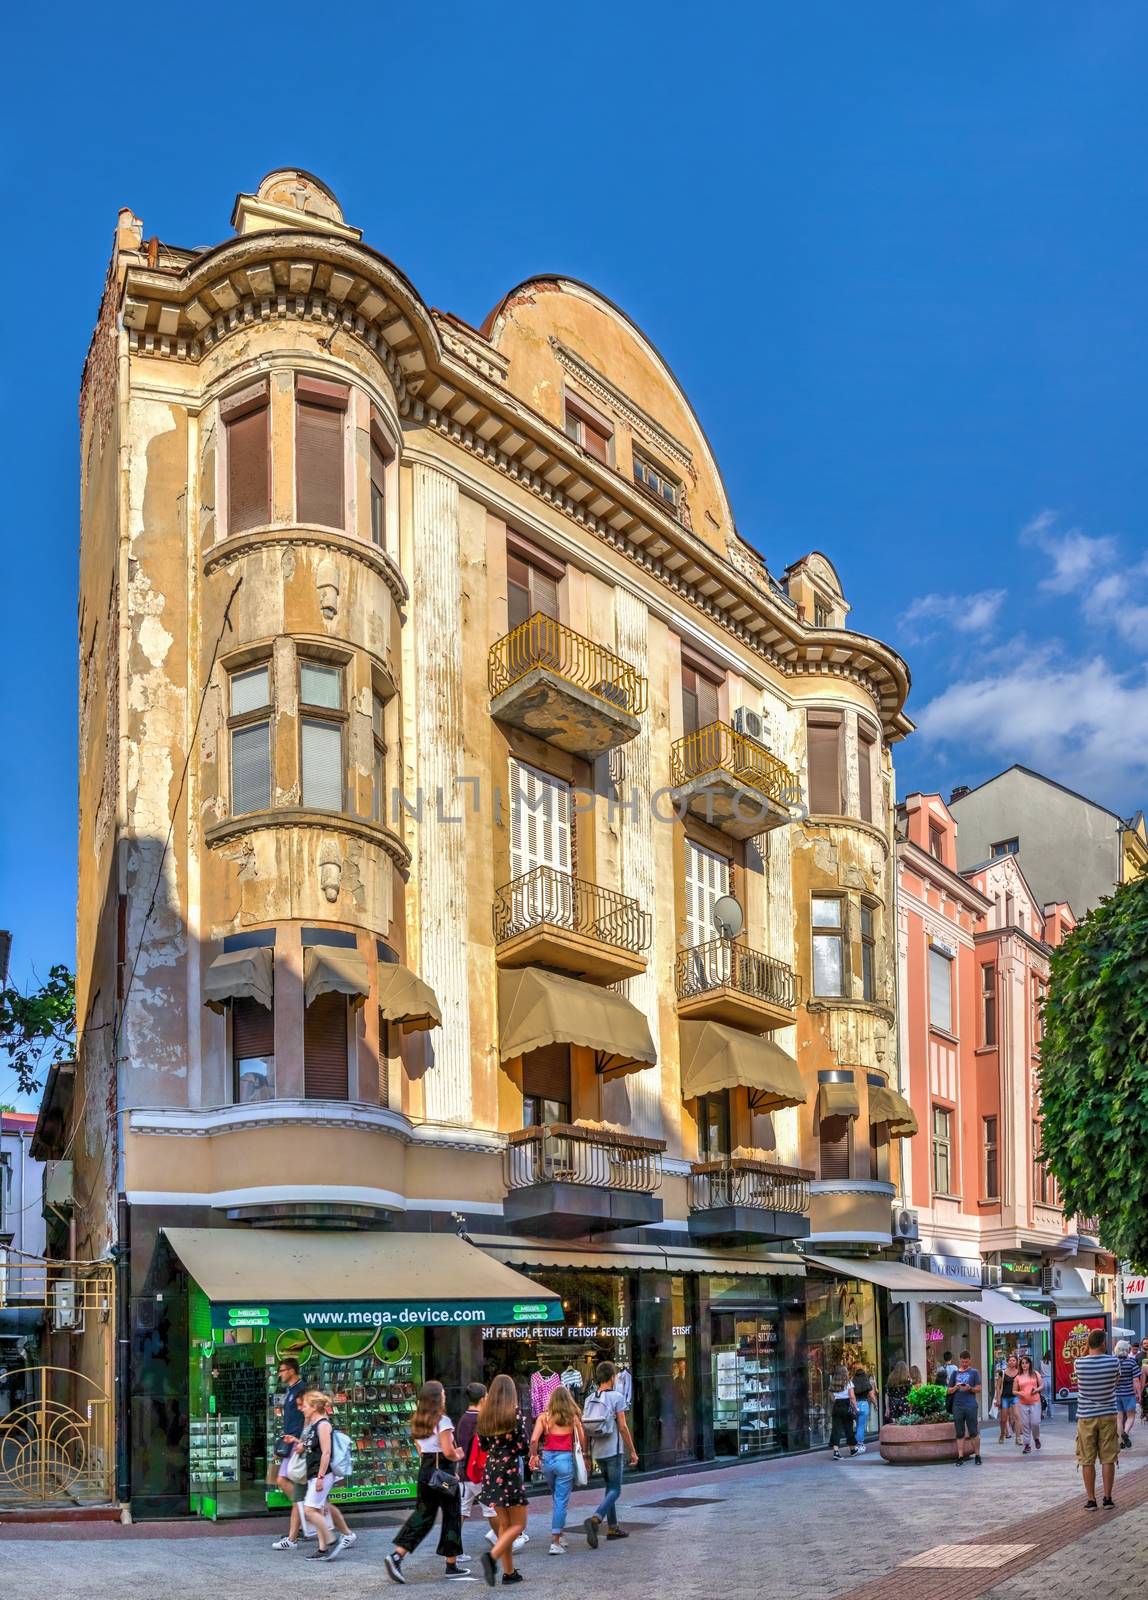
pixel 896 254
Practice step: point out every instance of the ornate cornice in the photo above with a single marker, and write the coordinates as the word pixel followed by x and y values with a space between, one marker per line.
pixel 253 539
pixel 641 421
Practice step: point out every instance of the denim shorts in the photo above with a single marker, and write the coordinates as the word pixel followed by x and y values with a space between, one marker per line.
pixel 1008 1400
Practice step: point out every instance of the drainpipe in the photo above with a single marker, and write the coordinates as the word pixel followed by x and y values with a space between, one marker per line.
pixel 121 1254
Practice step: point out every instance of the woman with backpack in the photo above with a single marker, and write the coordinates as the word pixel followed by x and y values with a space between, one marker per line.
pixel 502 1434
pixel 438 1487
pixel 552 1447
pixel 316 1444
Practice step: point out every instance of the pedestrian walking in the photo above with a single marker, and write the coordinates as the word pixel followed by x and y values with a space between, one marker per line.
pixel 1097 1438
pixel 944 1374
pixel 1004 1399
pixel 439 1491
pixel 897 1386
pixel 556 1445
pixel 1027 1387
pixel 843 1415
pixel 502 1434
pixel 964 1388
pixel 1046 1384
pixel 606 1426
pixel 316 1444
pixel 289 1409
pixel 1127 1392
pixel 865 1394
pixel 473 1459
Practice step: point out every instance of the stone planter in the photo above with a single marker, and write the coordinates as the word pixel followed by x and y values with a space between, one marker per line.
pixel 922 1441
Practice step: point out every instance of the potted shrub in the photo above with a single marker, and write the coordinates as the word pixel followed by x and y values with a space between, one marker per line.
pixel 926 1433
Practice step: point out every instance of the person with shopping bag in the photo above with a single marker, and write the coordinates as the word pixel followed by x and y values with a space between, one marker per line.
pixel 439 1490
pixel 558 1446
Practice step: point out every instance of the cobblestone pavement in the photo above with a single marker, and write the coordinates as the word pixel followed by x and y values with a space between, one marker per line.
pixel 801 1528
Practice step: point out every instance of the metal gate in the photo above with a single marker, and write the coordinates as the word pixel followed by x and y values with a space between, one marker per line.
pixel 56 1420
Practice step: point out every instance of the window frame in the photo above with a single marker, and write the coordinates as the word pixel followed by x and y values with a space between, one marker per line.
pixel 691 676
pixel 578 418
pixel 644 467
pixel 322 394
pixel 938 1026
pixel 378 757
pixel 868 941
pixel 990 1157
pixel 989 1005
pixel 844 1149
pixel 826 720
pixel 235 407
pixel 837 931
pixel 941 1150
pixel 242 721
pixel 721 1102
pixel 1003 848
pixel 937 842
pixel 329 715
pixel 866 771
pixel 538 564
pixel 237 1060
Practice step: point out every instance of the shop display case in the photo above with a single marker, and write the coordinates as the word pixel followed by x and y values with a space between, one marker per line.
pixel 374 1402
pixel 746 1384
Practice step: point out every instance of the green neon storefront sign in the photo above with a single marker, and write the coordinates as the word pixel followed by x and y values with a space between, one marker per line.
pixel 356 1316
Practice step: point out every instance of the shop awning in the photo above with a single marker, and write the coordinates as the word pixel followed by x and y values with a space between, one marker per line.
pixel 838 1100
pixel 717 1057
pixel 905 1284
pixel 886 1105
pixel 352 1282
pixel 240 975
pixel 405 999
pixel 329 969
pixel 1005 1314
pixel 537 1008
pixel 542 1253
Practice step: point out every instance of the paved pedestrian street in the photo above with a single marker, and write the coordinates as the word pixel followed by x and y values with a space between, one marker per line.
pixel 803 1528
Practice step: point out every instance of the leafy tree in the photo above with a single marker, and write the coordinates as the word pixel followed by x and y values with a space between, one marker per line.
pixel 39 1029
pixel 1094 1070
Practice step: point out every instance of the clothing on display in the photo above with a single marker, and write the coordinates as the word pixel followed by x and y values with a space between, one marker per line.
pixel 542 1385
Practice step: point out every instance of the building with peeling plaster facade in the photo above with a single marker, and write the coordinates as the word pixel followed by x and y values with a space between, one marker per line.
pixel 475 835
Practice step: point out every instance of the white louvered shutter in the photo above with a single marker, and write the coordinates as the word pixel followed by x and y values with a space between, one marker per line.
pixel 250 768
pixel 540 821
pixel 707 879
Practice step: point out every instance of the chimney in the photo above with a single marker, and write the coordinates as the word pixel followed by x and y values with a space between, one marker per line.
pixel 959 792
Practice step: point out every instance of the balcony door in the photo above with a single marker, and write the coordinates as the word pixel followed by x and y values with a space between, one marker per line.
pixel 541 847
pixel 707 879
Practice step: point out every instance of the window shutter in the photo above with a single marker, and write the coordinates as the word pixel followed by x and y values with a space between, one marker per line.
pixel 596 442
pixel 865 775
pixel 250 690
pixel 707 879
pixel 940 991
pixel 325 1048
pixel 824 742
pixel 252 1030
pixel 251 768
pixel 319 463
pixel 248 471
pixel 707 701
pixel 546 1073
pixel 834 1135
pixel 540 821
pixel 322 744
pixel 378 495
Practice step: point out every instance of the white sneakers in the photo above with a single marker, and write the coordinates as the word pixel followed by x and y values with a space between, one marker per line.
pixel 523 1538
pixel 557 1548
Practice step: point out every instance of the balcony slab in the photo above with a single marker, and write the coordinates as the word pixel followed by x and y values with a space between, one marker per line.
pixel 560 1210
pixel 731 804
pixel 725 1004
pixel 547 944
pixel 746 1225
pixel 564 714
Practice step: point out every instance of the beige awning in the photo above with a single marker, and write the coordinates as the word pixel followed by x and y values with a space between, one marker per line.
pixel 716 1057
pixel 329 969
pixel 537 1008
pixel 886 1105
pixel 240 975
pixel 542 1253
pixel 905 1284
pixel 406 999
pixel 839 1100
pixel 265 1265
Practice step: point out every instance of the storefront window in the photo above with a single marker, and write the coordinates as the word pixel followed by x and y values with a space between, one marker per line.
pixel 946 1330
pixel 841 1330
pixel 748 1381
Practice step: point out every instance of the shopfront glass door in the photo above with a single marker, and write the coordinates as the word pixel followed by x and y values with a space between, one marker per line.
pixel 841 1331
pixel 747 1388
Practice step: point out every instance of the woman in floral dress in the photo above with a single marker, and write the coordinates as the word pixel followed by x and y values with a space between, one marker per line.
pixel 502 1434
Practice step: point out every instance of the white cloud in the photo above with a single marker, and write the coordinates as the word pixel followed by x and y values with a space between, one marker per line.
pixel 1076 557
pixel 1079 722
pixel 968 613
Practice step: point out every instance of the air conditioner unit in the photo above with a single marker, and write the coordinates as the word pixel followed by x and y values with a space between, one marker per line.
pixel 65 1313
pixel 751 723
pixel 990 1275
pixel 905 1223
pixel 1049 1279
pixel 58 1186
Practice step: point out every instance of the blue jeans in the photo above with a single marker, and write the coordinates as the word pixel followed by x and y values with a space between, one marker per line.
pixel 558 1467
pixel 862 1420
pixel 612 1472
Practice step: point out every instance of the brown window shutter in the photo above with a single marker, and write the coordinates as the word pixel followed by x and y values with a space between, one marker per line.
pixel 248 470
pixel 319 464
pixel 834 1138
pixel 707 701
pixel 595 442
pixel 865 775
pixel 546 1073
pixel 252 1030
pixel 325 1048
pixel 824 740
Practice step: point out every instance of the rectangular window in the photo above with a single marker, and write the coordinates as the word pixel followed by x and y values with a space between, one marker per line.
pixel 321 735
pixel 828 945
pixel 1040 1186
pixel 1038 991
pixel 320 414
pixel 707 879
pixel 940 990
pixel 528 589
pixel 250 733
pixel 989 1005
pixel 992 1159
pixel 879 1151
pixel 655 480
pixel 592 432
pixel 1004 847
pixel 833 1135
pixel 378 496
pixel 713 1126
pixel 325 1048
pixel 822 616
pixel 942 1151
pixel 868 954
pixel 546 1095
pixel 252 1051
pixel 865 752
pixel 936 842
pixel 699 700
pixel 823 738
pixel 246 423
pixel 379 770
pixel 541 836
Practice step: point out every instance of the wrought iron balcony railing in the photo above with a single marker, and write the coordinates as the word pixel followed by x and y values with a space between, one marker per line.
pixel 741 1181
pixel 719 748
pixel 561 1152
pixel 546 896
pixel 721 964
pixel 540 641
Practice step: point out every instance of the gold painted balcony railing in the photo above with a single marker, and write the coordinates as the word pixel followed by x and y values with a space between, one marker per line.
pixel 741 1181
pixel 542 643
pixel 719 748
pixel 560 1152
pixel 545 897
pixel 722 964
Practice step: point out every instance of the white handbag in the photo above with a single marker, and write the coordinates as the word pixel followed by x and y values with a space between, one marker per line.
pixel 581 1477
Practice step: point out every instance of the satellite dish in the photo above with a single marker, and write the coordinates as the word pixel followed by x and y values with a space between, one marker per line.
pixel 728 917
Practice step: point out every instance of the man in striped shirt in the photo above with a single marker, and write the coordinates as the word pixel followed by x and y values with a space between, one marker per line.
pixel 1097 1377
